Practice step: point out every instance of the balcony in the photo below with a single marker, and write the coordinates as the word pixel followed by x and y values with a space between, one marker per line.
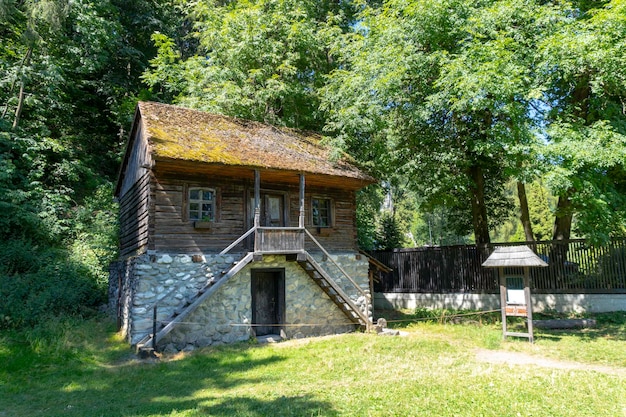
pixel 278 240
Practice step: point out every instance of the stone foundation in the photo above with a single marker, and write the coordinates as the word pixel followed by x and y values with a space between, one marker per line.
pixel 168 281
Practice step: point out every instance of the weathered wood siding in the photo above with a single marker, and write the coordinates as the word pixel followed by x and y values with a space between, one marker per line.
pixel 174 232
pixel 139 160
pixel 135 210
pixel 136 198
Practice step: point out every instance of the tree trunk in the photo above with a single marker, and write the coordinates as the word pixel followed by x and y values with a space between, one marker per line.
pixel 563 220
pixel 524 212
pixel 560 236
pixel 479 210
pixel 25 61
pixel 20 106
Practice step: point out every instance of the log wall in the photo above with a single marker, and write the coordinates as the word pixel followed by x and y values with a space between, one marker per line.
pixel 135 208
pixel 175 233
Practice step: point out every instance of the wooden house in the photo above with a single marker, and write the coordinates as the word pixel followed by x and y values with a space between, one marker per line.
pixel 231 229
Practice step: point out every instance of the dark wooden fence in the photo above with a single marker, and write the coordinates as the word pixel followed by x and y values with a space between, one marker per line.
pixel 575 266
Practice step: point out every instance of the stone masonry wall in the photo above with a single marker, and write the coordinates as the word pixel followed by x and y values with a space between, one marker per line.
pixel 225 317
pixel 169 280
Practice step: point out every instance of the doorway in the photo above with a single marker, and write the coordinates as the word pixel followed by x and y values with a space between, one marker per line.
pixel 268 300
pixel 272 210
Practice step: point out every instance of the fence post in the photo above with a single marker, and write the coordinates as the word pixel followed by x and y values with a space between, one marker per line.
pixel 154 327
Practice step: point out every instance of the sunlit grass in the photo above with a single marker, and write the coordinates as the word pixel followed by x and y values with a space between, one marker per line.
pixel 430 371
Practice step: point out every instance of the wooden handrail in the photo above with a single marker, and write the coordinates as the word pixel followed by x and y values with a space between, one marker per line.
pixel 238 241
pixel 363 293
pixel 258 228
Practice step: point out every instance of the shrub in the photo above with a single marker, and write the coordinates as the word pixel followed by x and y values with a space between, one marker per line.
pixel 37 284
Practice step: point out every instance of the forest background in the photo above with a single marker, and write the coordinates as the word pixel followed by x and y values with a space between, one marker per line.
pixel 485 120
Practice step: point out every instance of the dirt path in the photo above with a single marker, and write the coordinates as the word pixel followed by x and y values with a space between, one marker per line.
pixel 516 358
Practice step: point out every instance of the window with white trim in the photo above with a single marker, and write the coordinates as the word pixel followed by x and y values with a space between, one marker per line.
pixel 321 209
pixel 201 204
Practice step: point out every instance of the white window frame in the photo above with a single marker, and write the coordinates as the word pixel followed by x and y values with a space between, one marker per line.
pixel 200 216
pixel 330 213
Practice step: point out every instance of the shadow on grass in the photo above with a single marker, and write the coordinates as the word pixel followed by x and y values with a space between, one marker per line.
pixel 609 325
pixel 405 318
pixel 239 380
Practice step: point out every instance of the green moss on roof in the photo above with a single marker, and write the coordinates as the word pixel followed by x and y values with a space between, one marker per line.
pixel 178 133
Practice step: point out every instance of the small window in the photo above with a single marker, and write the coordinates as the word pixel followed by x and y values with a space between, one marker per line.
pixel 321 210
pixel 201 204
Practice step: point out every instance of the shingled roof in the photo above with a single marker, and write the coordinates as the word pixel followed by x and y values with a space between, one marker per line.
pixel 177 133
pixel 513 256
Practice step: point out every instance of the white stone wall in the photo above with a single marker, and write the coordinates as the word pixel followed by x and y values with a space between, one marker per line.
pixel 225 317
pixel 565 303
pixel 169 281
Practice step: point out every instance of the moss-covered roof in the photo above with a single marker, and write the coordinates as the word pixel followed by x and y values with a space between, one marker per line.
pixel 190 135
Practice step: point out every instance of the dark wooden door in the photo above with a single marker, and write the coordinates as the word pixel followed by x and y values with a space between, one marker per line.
pixel 272 210
pixel 268 300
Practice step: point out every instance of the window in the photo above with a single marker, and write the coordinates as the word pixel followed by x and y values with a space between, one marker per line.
pixel 201 204
pixel 321 210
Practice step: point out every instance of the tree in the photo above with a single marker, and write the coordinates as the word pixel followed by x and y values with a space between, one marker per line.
pixel 260 60
pixel 69 81
pixel 585 85
pixel 440 91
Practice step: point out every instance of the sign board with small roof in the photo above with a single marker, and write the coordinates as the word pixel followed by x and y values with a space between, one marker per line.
pixel 515 300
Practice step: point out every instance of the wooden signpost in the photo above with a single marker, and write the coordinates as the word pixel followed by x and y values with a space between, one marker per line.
pixel 515 300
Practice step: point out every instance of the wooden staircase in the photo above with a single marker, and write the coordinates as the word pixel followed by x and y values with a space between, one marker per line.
pixel 147 344
pixel 334 292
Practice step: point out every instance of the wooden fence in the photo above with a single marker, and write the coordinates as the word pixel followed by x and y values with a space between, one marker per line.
pixel 575 266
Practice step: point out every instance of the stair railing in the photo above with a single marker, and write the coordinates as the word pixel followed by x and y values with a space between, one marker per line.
pixel 360 290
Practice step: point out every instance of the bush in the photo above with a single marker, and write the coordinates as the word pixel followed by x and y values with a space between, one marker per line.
pixel 37 284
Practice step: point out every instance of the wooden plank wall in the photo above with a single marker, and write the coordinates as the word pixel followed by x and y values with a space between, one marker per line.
pixel 134 217
pixel 174 233
pixel 582 268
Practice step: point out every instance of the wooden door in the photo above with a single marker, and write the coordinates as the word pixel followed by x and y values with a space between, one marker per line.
pixel 272 210
pixel 268 300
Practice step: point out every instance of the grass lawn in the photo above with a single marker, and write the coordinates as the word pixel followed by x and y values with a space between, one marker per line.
pixel 84 369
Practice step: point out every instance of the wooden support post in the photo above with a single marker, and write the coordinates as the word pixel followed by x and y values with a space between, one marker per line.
pixel 257 198
pixel 502 299
pixel 529 305
pixel 154 327
pixel 301 218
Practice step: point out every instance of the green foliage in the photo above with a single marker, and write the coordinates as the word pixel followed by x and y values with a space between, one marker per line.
pixel 95 235
pixel 37 284
pixel 369 201
pixel 448 316
pixel 389 234
pixel 70 80
pixel 262 60
pixel 541 205
pixel 582 72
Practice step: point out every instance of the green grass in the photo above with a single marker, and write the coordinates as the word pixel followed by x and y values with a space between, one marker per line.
pixel 84 369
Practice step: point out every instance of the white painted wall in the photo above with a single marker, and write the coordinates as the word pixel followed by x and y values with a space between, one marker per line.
pixel 566 303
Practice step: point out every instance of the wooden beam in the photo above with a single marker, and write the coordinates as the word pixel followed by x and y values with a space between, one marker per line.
pixel 529 305
pixel 257 198
pixel 503 300
pixel 301 218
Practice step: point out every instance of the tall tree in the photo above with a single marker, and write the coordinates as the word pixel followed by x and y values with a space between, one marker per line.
pixel 583 70
pixel 441 89
pixel 261 60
